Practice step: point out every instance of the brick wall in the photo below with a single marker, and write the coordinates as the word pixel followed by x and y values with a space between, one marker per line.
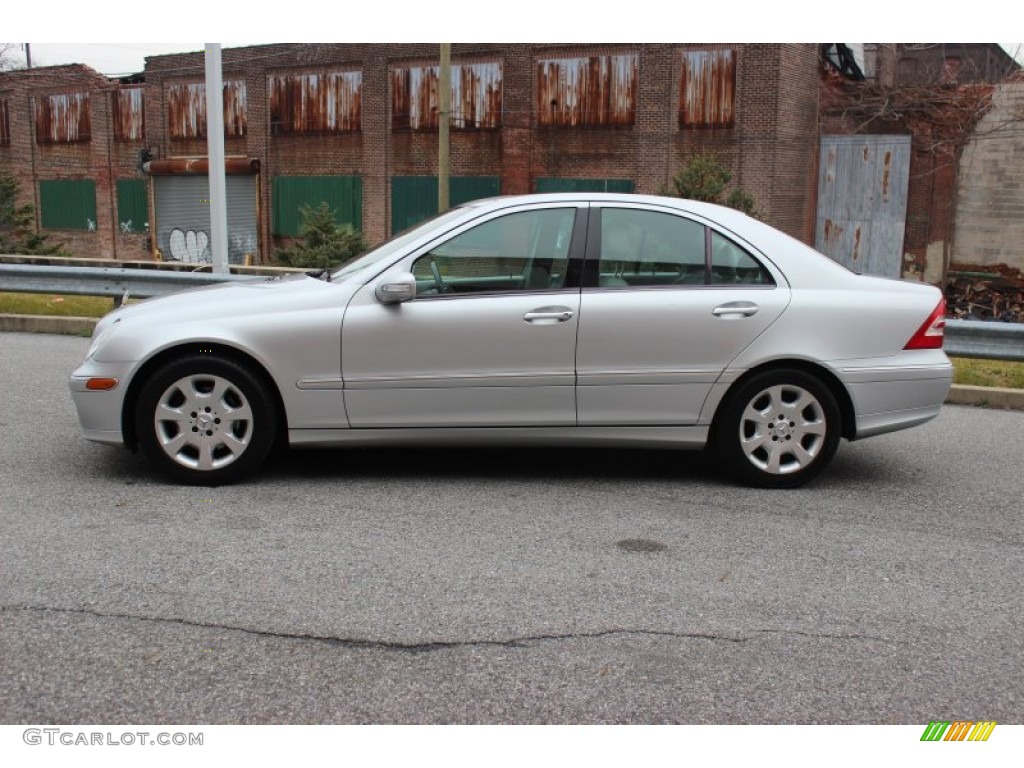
pixel 771 149
pixel 100 158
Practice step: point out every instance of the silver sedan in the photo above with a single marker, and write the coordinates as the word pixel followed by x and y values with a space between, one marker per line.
pixel 560 319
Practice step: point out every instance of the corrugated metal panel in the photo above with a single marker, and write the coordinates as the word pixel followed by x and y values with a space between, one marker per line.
pixel 129 114
pixel 186 110
pixel 707 89
pixel 62 118
pixel 862 202
pixel 344 195
pixel 414 198
pixel 476 97
pixel 316 102
pixel 594 91
pixel 5 122
pixel 132 205
pixel 234 108
pixel 68 204
pixel 622 186
pixel 183 218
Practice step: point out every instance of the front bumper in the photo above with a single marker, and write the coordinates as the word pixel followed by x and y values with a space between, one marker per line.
pixel 99 411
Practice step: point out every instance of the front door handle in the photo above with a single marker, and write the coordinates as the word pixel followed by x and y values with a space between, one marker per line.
pixel 548 315
pixel 734 308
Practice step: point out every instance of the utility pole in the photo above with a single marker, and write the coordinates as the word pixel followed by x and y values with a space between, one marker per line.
pixel 444 125
pixel 215 151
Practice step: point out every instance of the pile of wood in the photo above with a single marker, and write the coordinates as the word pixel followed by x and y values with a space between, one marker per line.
pixel 985 292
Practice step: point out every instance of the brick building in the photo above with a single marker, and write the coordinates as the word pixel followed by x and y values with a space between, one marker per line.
pixel 60 139
pixel 356 125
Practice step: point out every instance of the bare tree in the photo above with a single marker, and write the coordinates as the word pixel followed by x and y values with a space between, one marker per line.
pixel 9 57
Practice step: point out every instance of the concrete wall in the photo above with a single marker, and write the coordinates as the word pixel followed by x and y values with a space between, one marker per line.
pixel 990 195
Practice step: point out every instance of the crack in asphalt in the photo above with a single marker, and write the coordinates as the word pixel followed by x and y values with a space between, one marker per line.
pixel 437 645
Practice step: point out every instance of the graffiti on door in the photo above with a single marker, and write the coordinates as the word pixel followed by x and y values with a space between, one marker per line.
pixel 191 246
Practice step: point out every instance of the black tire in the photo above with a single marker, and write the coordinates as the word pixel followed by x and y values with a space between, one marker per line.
pixel 779 429
pixel 220 420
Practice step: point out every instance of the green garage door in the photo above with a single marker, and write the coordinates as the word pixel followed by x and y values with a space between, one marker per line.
pixel 67 204
pixel 343 194
pixel 414 198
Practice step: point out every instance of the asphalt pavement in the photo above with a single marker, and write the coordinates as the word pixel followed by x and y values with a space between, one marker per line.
pixel 525 586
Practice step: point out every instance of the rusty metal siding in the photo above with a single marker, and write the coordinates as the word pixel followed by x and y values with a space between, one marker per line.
pixel 234 108
pixel 476 97
pixel 63 118
pixel 129 114
pixel 5 122
pixel 594 91
pixel 862 202
pixel 329 101
pixel 186 110
pixel 707 89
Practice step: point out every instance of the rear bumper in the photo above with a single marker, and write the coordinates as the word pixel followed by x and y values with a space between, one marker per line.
pixel 889 398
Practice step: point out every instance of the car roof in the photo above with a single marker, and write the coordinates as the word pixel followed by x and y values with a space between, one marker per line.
pixel 710 210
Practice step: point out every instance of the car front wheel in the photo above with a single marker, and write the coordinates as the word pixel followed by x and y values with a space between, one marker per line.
pixel 205 420
pixel 778 430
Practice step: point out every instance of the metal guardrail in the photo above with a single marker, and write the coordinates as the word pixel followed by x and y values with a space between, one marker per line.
pixel 102 281
pixel 983 339
pixel 964 338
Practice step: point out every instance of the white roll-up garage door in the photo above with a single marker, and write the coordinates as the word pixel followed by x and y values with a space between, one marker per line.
pixel 183 218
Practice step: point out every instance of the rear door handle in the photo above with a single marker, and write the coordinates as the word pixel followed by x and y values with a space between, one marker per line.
pixel 548 315
pixel 735 308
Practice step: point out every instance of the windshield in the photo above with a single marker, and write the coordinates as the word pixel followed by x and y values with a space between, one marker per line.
pixel 396 243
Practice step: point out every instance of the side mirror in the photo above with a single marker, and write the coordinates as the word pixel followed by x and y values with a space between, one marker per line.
pixel 395 287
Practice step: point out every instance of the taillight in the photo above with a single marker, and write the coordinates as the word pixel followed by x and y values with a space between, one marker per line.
pixel 931 332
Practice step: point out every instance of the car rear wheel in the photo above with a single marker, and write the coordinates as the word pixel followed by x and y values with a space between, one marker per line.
pixel 205 420
pixel 780 429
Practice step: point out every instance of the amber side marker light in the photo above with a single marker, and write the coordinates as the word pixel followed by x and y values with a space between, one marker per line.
pixel 100 384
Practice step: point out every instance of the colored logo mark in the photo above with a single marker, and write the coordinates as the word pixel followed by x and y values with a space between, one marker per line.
pixel 958 730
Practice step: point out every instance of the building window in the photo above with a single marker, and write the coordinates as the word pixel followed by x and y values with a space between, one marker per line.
pixel 583 185
pixel 707 89
pixel 4 122
pixel 414 198
pixel 598 91
pixel 186 110
pixel 68 204
pixel 475 97
pixel 343 195
pixel 63 118
pixel 316 102
pixel 129 114
pixel 132 206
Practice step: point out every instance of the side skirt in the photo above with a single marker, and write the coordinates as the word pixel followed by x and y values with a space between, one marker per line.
pixel 627 437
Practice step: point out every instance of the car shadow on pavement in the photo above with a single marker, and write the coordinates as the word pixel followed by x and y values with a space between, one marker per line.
pixel 497 463
pixel 850 469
